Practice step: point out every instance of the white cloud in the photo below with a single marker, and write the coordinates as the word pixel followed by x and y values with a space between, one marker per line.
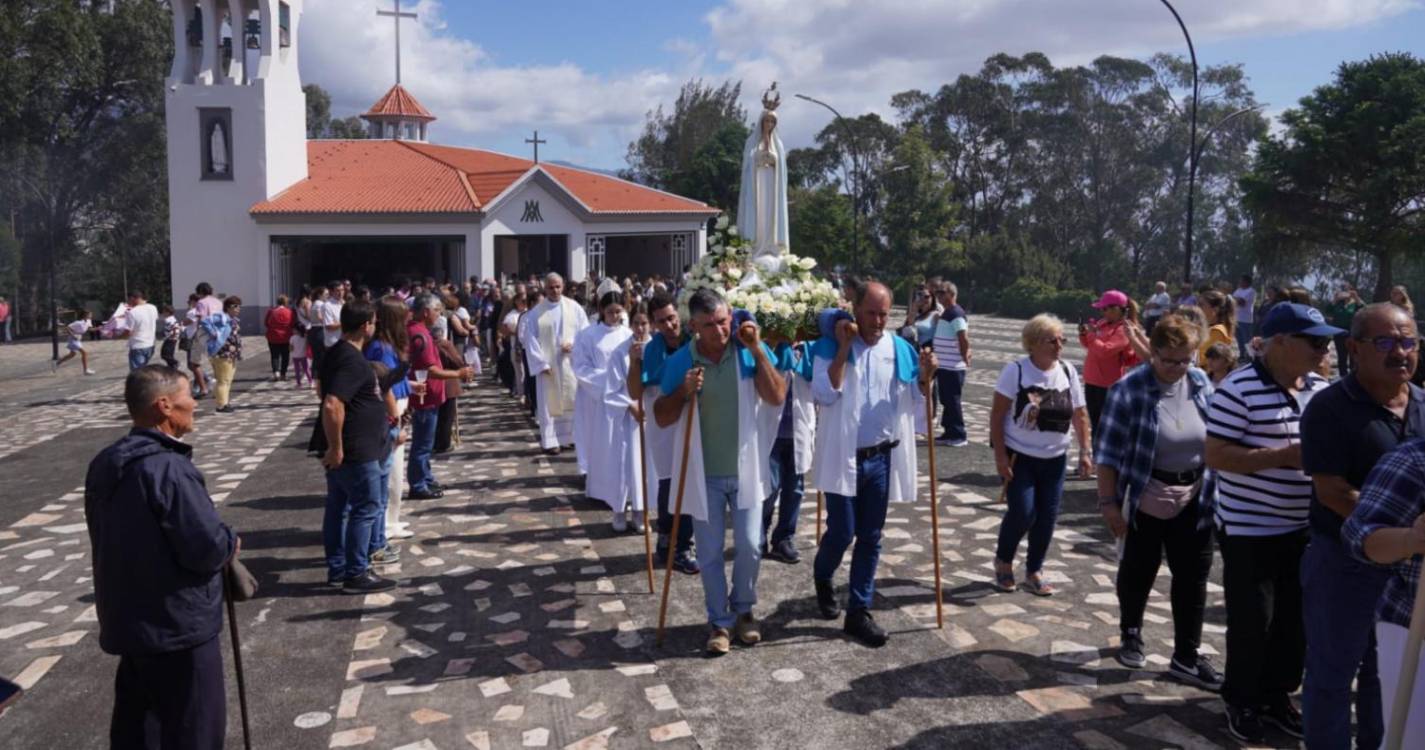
pixel 858 53
pixel 350 52
pixel 853 53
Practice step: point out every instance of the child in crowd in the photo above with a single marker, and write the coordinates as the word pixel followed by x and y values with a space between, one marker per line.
pixel 76 331
pixel 171 330
pixel 1220 360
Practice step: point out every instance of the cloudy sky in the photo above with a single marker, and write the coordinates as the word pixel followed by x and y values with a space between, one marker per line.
pixel 586 73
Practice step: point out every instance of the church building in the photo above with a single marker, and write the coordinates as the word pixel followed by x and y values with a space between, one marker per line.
pixel 257 209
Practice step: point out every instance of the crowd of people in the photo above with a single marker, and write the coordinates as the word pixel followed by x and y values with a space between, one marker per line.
pixel 1205 420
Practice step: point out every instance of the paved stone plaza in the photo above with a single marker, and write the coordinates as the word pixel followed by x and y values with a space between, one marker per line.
pixel 522 620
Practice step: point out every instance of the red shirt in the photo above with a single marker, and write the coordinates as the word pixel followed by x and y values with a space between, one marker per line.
pixel 1109 353
pixel 423 356
pixel 279 325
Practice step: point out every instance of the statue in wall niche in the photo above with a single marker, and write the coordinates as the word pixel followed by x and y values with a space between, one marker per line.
pixel 762 205
pixel 218 150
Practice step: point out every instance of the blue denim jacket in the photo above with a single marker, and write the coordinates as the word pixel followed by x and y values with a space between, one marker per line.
pixel 1128 435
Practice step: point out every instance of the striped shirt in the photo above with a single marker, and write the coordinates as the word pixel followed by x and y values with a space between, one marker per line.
pixel 947 338
pixel 1251 410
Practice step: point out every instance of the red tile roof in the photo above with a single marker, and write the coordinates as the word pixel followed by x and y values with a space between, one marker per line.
pixel 403 177
pixel 398 102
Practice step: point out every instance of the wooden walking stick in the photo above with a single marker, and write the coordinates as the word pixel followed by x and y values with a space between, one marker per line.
pixel 934 515
pixel 677 518
pixel 237 664
pixel 643 454
pixel 1405 686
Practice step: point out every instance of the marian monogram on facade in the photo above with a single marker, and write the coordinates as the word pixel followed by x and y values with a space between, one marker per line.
pixel 531 212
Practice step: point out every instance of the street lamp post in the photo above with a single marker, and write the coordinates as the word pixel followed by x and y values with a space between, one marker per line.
pixel 1192 148
pixel 855 181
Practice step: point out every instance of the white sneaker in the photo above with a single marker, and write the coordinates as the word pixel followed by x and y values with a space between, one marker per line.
pixel 620 523
pixel 399 532
pixel 90 372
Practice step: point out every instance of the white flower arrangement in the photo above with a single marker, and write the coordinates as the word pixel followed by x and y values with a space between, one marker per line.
pixel 784 299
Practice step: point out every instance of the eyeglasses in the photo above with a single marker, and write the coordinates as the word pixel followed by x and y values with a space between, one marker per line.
pixel 1054 340
pixel 1174 362
pixel 1387 344
pixel 1316 342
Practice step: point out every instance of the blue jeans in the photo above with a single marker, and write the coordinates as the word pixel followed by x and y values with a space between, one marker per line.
pixel 951 384
pixel 710 536
pixel 1033 499
pixel 787 494
pixel 1338 598
pixel 378 529
pixel 418 473
pixel 863 517
pixel 684 543
pixel 139 357
pixel 353 500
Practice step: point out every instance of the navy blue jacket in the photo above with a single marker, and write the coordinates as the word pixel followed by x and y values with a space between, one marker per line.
pixel 159 546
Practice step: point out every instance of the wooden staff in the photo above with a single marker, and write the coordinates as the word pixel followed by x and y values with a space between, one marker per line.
pixel 643 454
pixel 677 517
pixel 237 662
pixel 934 514
pixel 1405 686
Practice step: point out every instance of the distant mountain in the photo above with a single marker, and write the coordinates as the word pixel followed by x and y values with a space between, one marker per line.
pixel 608 172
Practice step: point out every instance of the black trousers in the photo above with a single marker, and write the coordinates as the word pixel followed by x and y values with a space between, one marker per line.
pixel 1094 399
pixel 1189 551
pixel 1266 640
pixel 172 701
pixel 445 425
pixel 281 355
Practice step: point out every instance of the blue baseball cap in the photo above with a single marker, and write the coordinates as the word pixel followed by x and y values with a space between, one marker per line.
pixel 1290 317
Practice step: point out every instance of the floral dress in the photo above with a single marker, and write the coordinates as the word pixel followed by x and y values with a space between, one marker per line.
pixel 232 348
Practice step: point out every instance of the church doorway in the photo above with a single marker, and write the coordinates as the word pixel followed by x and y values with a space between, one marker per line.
pixel 375 262
pixel 525 255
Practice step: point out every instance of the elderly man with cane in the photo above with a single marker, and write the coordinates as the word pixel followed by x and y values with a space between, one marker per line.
pixel 866 385
pixel 728 444
pixel 159 554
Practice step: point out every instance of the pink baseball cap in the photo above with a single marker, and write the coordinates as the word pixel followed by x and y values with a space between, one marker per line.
pixel 1111 298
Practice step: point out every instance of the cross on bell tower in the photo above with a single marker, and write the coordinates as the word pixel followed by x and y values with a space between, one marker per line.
pixel 397 15
pixel 536 140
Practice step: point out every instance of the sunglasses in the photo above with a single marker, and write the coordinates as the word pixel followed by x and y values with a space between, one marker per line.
pixel 1387 344
pixel 1316 342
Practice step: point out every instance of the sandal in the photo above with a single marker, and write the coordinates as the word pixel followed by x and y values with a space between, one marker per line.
pixel 1004 581
pixel 1037 587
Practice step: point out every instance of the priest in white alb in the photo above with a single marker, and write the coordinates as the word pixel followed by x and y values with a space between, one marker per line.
pixel 868 384
pixel 547 334
pixel 606 428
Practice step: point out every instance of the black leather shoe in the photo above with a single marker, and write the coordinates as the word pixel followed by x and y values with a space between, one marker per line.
pixel 826 600
pixel 435 486
pixel 862 627
pixel 684 563
pixel 425 494
pixel 367 583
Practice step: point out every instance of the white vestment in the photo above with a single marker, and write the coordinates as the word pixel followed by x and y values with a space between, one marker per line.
pixel 543 332
pixel 612 450
pixel 756 431
pixel 834 467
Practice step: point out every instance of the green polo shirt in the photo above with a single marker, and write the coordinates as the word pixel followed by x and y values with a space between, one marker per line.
pixel 717 413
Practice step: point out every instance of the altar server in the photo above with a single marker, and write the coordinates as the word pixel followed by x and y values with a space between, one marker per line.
pixel 607 434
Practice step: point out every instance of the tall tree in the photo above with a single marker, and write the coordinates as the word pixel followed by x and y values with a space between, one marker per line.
pixel 1348 171
pixel 918 216
pixel 664 153
pixel 319 110
pixel 81 120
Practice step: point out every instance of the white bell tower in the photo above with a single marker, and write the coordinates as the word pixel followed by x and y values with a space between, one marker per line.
pixel 237 135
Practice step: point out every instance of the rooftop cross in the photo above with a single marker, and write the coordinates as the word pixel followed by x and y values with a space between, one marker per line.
pixel 536 140
pixel 397 15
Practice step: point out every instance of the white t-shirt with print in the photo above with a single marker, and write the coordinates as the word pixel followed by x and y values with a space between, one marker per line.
pixel 1027 386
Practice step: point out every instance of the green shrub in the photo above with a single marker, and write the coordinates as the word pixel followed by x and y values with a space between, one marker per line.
pixel 1028 297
